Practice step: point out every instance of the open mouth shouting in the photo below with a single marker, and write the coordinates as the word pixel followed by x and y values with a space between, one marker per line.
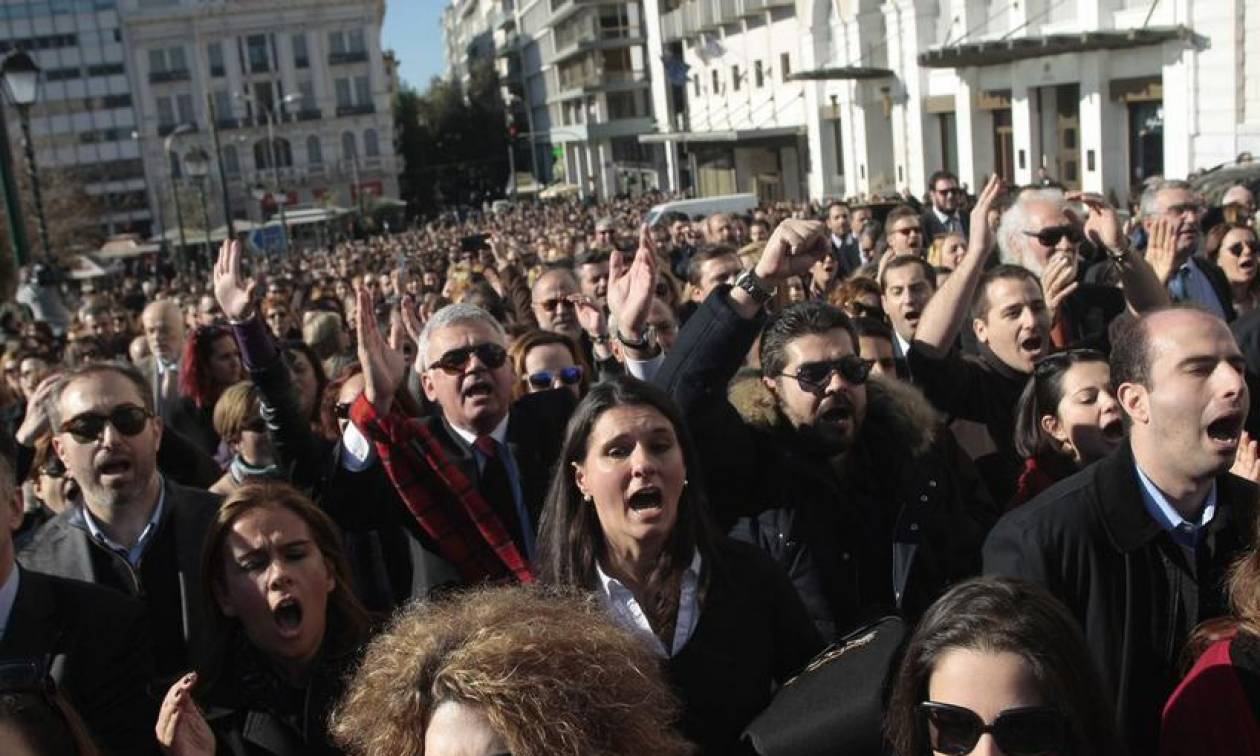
pixel 1033 346
pixel 1223 432
pixel 112 468
pixel 287 614
pixel 1113 430
pixel 477 388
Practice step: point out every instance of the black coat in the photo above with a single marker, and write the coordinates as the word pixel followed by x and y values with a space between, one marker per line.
pixel 902 519
pixel 168 581
pixel 100 655
pixel 1090 541
pixel 752 636
pixel 1247 332
pixel 980 389
pixel 254 713
pixel 932 226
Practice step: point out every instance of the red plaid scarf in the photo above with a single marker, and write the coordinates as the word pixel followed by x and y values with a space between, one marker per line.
pixel 471 536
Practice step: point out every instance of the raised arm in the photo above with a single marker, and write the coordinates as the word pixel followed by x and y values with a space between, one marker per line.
pixel 1142 287
pixel 945 314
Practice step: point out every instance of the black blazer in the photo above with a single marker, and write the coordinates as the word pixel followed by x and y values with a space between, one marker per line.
pixel 847 255
pixel 1220 285
pixel 63 547
pixel 1090 541
pixel 932 226
pixel 1247 332
pixel 97 645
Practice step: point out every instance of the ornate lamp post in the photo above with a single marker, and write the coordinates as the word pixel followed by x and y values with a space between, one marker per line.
pixel 21 85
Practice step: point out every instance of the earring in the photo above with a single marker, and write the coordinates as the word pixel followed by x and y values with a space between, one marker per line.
pixel 587 498
pixel 684 482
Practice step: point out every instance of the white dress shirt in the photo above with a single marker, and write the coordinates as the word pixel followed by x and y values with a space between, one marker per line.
pixel 627 612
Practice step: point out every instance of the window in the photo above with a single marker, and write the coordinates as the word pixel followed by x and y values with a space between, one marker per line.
pixel 301 57
pixel 222 105
pixel 214 54
pixel 337 43
pixel 264 98
pixel 696 80
pixel 717 82
pixel 735 77
pixel 175 57
pixel 371 144
pixel 759 74
pixel 343 93
pixel 355 41
pixel 314 151
pixel 349 149
pixel 177 168
pixel 231 161
pixel 307 90
pixel 785 66
pixel 256 50
pixel 362 91
pixel 281 150
pixel 165 111
pixel 157 61
pixel 184 108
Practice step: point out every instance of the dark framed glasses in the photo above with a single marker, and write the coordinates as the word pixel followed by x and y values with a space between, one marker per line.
pixel 1050 235
pixel 1029 731
pixel 127 419
pixel 1237 249
pixel 814 377
pixel 545 379
pixel 491 355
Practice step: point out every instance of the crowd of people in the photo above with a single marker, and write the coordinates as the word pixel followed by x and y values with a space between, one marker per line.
pixel 551 480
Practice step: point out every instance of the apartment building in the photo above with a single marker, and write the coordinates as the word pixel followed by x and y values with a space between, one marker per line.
pixel 82 122
pixel 314 69
pixel 890 90
pixel 576 81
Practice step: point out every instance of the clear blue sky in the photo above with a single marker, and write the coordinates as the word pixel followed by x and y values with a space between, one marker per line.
pixel 413 30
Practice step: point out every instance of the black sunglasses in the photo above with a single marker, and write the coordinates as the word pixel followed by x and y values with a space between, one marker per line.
pixel 814 377
pixel 1030 731
pixel 545 379
pixel 1237 249
pixel 491 355
pixel 552 304
pixel 341 410
pixel 1050 236
pixel 127 419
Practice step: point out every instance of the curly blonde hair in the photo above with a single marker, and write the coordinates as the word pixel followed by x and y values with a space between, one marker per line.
pixel 551 673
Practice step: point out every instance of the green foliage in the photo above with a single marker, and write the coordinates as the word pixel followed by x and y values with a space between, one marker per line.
pixel 453 143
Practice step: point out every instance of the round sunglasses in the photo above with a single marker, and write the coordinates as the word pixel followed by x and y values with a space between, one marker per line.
pixel 545 379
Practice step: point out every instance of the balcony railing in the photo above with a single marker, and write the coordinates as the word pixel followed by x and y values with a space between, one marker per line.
pixel 353 110
pixel 342 58
pixel 311 114
pixel 160 77
pixel 227 124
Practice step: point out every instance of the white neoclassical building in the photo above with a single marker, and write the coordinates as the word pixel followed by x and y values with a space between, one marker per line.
pixel 316 66
pixel 844 97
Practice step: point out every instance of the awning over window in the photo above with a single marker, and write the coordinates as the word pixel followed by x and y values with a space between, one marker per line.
pixel 734 135
pixel 841 72
pixel 997 52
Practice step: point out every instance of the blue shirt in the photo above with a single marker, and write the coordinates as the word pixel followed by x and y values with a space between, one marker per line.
pixel 1195 287
pixel 1182 531
pixel 134 554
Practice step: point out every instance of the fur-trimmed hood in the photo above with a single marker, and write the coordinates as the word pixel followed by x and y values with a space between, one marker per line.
pixel 898 416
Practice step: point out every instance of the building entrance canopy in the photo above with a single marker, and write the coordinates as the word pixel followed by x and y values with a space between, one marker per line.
pixel 997 52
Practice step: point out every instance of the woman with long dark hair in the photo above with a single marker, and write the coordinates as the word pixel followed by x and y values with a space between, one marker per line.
pixel 624 520
pixel 285 628
pixel 1066 419
pixel 999 660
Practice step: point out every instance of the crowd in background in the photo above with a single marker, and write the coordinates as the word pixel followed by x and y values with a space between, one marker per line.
pixel 548 479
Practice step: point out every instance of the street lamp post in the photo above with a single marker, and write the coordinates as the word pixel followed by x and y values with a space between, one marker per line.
pixel 281 196
pixel 218 156
pixel 197 163
pixel 168 152
pixel 21 84
pixel 161 203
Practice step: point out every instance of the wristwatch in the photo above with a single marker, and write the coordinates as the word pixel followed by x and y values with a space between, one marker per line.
pixel 760 291
pixel 639 343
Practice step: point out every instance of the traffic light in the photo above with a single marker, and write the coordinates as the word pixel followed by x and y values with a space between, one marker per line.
pixel 513 128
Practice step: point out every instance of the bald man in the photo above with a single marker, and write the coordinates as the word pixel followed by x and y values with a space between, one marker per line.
pixel 553 304
pixel 163 325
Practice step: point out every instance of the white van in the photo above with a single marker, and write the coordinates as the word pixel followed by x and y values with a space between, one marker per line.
pixel 727 203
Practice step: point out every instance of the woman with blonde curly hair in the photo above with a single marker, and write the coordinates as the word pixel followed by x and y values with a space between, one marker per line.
pixel 507 670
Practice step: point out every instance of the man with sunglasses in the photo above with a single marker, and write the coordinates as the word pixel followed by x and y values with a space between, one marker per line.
pixel 1138 544
pixel 943 217
pixel 839 479
pixel 905 232
pixel 1187 274
pixel 474 475
pixel 137 531
pixel 94 643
